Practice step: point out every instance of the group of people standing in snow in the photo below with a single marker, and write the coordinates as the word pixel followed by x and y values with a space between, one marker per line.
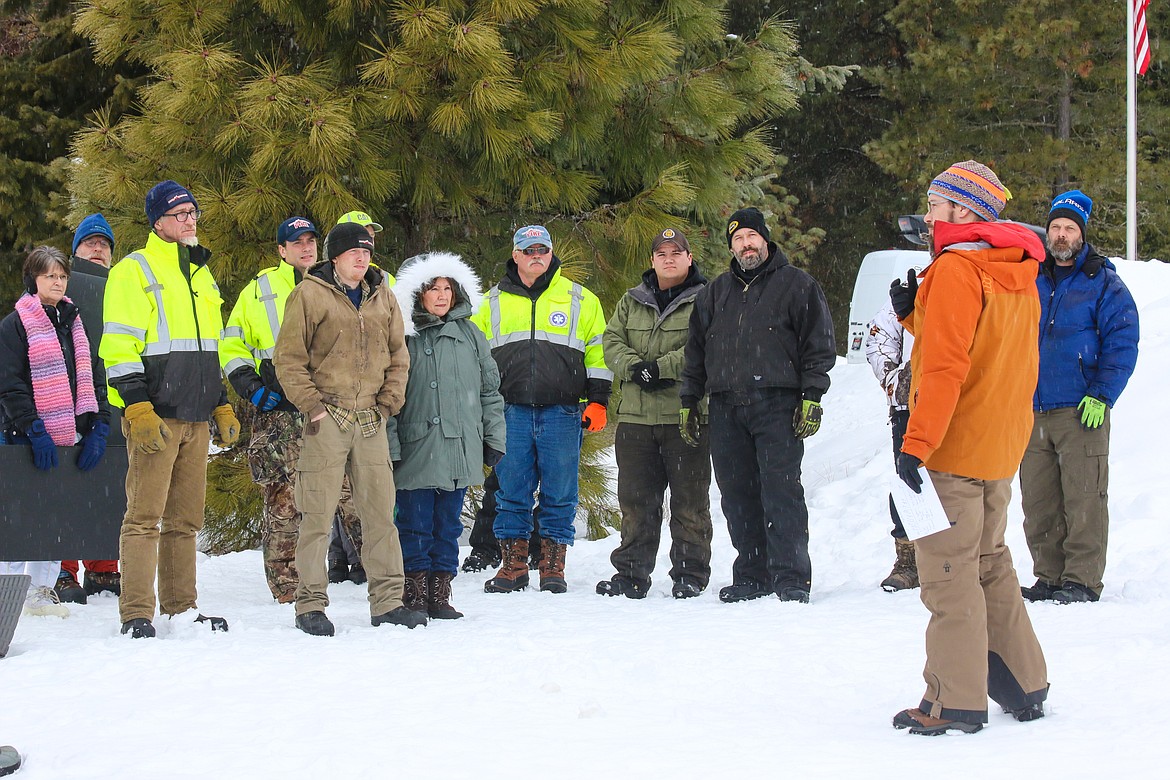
pixel 376 402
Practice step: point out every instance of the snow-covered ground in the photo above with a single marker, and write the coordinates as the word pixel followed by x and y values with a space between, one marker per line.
pixel 583 686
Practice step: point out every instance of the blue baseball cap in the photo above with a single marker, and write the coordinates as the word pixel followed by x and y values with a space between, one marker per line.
pixel 93 225
pixel 293 228
pixel 531 235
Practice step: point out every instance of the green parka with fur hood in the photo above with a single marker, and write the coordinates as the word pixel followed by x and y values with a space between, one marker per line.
pixel 453 404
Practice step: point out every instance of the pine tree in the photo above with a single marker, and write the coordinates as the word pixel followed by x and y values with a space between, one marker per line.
pixel 1036 91
pixel 452 122
pixel 48 83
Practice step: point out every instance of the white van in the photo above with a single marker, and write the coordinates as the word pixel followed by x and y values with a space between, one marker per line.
pixel 871 291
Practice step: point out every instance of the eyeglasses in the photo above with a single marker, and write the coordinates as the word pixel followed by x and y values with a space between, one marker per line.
pixel 536 250
pixel 56 277
pixel 183 216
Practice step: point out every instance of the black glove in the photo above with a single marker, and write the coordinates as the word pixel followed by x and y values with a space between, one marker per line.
pixel 491 456
pixel 645 374
pixel 902 295
pixel 908 471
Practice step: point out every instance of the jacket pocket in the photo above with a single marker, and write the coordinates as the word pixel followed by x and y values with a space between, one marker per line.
pixel 408 432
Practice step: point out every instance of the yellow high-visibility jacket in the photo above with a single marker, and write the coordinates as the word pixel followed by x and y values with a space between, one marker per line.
pixel 160 339
pixel 249 339
pixel 546 339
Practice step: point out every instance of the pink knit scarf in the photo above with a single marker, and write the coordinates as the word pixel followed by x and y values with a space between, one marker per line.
pixel 50 378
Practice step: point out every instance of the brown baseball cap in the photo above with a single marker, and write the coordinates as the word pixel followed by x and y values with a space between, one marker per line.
pixel 670 235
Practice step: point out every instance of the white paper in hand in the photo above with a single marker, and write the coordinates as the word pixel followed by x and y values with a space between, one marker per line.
pixel 921 513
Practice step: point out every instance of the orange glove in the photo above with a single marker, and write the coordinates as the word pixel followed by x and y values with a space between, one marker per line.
pixel 593 418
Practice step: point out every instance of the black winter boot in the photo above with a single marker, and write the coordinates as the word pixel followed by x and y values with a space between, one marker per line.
pixel 400 616
pixel 1041 591
pixel 619 585
pixel 315 623
pixel 481 560
pixel 744 591
pixel 338 571
pixel 138 628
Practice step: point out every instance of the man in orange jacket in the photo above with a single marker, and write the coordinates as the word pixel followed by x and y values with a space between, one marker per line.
pixel 975 319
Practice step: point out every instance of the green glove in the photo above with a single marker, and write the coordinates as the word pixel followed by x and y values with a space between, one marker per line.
pixel 688 425
pixel 1092 411
pixel 807 419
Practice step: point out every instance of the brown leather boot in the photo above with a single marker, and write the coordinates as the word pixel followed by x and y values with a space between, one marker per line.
pixel 904 575
pixel 439 596
pixel 513 573
pixel 552 566
pixel 414 591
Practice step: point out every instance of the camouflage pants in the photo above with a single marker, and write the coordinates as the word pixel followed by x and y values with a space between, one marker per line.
pixel 273 453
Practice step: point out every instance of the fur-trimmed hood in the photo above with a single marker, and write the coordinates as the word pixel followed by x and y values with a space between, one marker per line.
pixel 417 271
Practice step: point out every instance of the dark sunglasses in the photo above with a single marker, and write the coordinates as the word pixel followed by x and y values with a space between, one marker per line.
pixel 536 250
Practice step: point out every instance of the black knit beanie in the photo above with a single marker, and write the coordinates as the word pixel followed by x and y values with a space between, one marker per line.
pixel 747 218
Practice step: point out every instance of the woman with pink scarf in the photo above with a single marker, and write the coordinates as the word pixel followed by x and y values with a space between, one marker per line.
pixel 48 396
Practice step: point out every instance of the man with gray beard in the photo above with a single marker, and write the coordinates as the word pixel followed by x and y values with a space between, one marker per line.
pixel 760 344
pixel 1088 350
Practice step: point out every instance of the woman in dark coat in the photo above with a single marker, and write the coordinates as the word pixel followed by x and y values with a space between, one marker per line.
pixel 49 397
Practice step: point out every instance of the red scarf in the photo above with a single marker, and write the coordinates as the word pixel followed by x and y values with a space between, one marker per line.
pixel 50 378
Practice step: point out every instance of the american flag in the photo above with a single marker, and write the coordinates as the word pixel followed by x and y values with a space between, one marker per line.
pixel 1141 46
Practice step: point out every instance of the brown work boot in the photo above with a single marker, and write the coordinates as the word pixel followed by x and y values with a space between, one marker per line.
pixel 921 723
pixel 513 573
pixel 904 575
pixel 552 566
pixel 414 591
pixel 439 596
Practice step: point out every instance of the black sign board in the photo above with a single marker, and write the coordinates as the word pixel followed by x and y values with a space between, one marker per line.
pixel 63 513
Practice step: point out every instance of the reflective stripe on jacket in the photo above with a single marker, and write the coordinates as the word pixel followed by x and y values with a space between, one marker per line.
pixel 548 348
pixel 249 339
pixel 160 340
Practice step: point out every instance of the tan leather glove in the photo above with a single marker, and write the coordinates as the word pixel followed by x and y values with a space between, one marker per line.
pixel 147 430
pixel 227 427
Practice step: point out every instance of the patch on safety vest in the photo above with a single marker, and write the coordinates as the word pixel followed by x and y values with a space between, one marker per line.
pixel 558 319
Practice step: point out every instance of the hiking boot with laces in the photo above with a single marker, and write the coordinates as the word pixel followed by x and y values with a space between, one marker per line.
pixel 400 616
pixel 904 575
pixel 68 590
pixel 315 623
pixel 414 591
pixel 552 566
pixel 513 573
pixel 338 571
pixel 686 589
pixel 439 596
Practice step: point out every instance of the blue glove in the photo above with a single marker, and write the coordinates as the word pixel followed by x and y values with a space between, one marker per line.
pixel 93 445
pixel 265 400
pixel 44 450
pixel 908 471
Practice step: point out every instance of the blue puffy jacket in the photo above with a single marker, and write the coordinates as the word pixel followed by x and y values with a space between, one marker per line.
pixel 1088 333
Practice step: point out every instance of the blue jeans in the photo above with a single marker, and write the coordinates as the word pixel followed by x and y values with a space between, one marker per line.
pixel 429 528
pixel 544 450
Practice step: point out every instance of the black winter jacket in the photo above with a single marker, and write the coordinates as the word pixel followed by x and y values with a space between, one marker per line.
pixel 767 330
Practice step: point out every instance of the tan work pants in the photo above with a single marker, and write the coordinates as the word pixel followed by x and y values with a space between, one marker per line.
pixel 165 488
pixel 326 457
pixel 979 641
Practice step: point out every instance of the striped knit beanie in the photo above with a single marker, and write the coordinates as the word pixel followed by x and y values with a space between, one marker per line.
pixel 974 185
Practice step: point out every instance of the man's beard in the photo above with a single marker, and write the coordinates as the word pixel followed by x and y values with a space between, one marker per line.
pixel 189 240
pixel 1063 250
pixel 750 262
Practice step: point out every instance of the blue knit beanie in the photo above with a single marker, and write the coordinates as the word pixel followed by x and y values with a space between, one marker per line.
pixel 163 197
pixel 1074 205
pixel 93 225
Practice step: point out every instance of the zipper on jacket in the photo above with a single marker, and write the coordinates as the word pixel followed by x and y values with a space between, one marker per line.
pixel 198 334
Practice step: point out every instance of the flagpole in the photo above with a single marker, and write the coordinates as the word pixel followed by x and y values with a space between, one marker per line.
pixel 1130 136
